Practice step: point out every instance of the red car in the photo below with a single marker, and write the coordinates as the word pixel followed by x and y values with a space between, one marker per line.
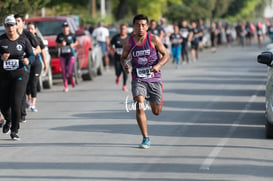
pixel 50 27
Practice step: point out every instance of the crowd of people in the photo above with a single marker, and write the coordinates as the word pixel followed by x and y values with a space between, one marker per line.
pixel 186 39
pixel 149 46
pixel 21 52
pixel 23 56
pixel 141 53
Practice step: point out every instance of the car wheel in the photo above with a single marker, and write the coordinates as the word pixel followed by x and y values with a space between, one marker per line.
pixel 77 72
pixel 269 130
pixel 90 73
pixel 47 84
pixel 100 68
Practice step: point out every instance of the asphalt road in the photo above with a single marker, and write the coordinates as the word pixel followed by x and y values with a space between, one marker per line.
pixel 211 128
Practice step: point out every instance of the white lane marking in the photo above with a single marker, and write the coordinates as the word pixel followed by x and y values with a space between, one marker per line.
pixel 215 152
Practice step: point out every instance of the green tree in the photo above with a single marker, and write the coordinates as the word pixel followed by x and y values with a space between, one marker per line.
pixel 20 6
pixel 220 8
pixel 190 10
pixel 245 10
pixel 152 8
pixel 126 9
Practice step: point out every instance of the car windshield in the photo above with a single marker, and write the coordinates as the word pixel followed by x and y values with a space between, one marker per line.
pixel 50 27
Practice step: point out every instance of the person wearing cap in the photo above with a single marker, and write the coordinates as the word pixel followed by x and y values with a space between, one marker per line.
pixel 36 50
pixel 66 42
pixel 16 53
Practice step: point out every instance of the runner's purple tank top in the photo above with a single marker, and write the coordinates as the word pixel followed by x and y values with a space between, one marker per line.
pixel 143 57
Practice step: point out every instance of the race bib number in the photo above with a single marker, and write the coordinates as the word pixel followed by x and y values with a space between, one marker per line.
pixel 145 72
pixel 65 50
pixel 119 51
pixel 11 64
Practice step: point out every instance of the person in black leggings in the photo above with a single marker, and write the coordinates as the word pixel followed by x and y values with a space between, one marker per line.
pixel 35 70
pixel 16 53
pixel 36 49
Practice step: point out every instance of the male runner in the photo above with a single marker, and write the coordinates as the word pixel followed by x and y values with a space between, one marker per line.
pixel 146 76
pixel 117 43
pixel 36 50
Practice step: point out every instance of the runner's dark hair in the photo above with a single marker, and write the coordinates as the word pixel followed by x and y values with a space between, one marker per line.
pixel 140 17
pixel 19 16
pixel 32 23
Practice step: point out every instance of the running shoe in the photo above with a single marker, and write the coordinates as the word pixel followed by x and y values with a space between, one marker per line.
pixel 6 129
pixel 124 88
pixel 65 89
pixel 34 109
pixel 117 80
pixel 72 82
pixel 23 119
pixel 28 105
pixel 14 136
pixel 146 143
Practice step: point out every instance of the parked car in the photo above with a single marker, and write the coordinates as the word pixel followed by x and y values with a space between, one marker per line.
pixel 50 27
pixel 266 58
pixel 45 81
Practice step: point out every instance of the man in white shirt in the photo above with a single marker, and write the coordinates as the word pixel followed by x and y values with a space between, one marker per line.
pixel 101 35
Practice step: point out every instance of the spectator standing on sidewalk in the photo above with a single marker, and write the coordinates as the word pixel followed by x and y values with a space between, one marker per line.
pixel 101 35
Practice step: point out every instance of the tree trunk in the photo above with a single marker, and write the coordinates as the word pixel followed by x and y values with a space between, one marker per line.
pixel 122 9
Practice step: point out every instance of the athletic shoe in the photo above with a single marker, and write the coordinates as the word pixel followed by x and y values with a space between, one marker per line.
pixel 28 104
pixel 146 143
pixel 65 89
pixel 34 109
pixel 72 82
pixel 117 80
pixel 23 119
pixel 6 129
pixel 14 136
pixel 124 88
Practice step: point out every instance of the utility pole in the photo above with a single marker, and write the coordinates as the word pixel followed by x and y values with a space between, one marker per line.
pixel 102 8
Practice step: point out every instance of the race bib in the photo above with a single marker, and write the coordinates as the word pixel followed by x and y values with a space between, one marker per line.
pixel 185 34
pixel 145 72
pixel 11 64
pixel 119 51
pixel 175 41
pixel 65 50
